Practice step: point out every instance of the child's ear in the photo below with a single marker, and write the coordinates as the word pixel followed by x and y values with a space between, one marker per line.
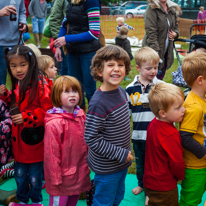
pixel 138 68
pixel 199 80
pixel 162 113
pixel 99 74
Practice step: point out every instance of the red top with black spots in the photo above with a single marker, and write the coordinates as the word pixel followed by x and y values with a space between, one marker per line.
pixel 27 138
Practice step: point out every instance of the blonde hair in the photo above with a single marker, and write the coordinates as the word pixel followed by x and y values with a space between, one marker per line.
pixel 146 54
pixel 36 51
pixel 105 54
pixel 162 96
pixel 120 19
pixel 44 61
pixel 193 66
pixel 202 7
pixel 123 30
pixel 58 88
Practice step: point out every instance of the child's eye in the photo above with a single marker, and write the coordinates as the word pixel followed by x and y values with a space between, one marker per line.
pixel 74 91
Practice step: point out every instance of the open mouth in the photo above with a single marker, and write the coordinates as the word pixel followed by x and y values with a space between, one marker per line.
pixel 72 100
pixel 115 76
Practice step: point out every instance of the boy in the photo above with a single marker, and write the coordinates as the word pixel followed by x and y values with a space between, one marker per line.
pixel 122 41
pixel 120 22
pixel 147 61
pixel 164 164
pixel 192 130
pixel 107 131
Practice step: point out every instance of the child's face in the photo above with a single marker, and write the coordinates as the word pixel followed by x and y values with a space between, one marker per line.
pixel 69 99
pixel 148 71
pixel 19 67
pixel 113 73
pixel 176 111
pixel 51 71
pixel 120 23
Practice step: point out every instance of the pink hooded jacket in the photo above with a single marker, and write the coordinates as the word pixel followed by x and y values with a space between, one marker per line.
pixel 65 167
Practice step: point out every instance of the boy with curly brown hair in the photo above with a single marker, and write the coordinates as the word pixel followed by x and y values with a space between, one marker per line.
pixel 107 131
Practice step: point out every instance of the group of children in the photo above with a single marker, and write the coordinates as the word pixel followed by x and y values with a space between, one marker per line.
pixel 51 131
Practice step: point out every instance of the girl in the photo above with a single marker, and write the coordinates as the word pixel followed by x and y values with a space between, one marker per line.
pixel 65 168
pixel 30 98
pixel 47 65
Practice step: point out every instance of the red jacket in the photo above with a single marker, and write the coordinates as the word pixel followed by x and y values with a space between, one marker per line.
pixel 164 163
pixel 65 167
pixel 27 138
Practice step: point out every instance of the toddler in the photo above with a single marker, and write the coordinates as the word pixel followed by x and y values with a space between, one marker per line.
pixel 147 61
pixel 65 167
pixel 120 22
pixel 164 164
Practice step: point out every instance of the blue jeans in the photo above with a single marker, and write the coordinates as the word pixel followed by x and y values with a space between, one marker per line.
pixel 3 67
pixel 64 64
pixel 139 150
pixel 38 25
pixel 26 174
pixel 109 189
pixel 79 67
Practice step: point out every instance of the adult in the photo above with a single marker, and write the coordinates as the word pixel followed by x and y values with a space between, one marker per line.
pixel 201 18
pixel 57 15
pixel 82 41
pixel 161 29
pixel 38 13
pixel 10 30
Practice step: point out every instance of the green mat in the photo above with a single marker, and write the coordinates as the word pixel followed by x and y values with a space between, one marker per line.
pixel 129 198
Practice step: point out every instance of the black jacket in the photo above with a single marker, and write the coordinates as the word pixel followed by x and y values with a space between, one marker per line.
pixel 122 41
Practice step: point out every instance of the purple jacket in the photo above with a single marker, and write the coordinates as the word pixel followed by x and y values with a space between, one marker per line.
pixel 201 15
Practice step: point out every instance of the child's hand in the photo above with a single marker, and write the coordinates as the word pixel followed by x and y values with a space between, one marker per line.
pixel 133 29
pixel 2 89
pixel 17 119
pixel 129 157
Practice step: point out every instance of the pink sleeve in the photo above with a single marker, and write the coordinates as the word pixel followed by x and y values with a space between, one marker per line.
pixel 52 153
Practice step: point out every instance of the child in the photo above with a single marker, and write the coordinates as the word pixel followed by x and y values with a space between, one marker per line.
pixel 107 131
pixel 164 164
pixel 34 48
pixel 147 61
pixel 122 41
pixel 120 22
pixel 5 135
pixel 192 130
pixel 47 65
pixel 30 95
pixel 65 167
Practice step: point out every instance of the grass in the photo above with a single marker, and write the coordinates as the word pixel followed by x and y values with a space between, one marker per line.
pixel 109 29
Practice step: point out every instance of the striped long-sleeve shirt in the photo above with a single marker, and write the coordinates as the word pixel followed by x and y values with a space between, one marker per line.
pixel 92 9
pixel 107 131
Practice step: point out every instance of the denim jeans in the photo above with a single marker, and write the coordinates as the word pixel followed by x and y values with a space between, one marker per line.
pixel 109 189
pixel 79 67
pixel 25 174
pixel 3 67
pixel 139 150
pixel 64 64
pixel 38 25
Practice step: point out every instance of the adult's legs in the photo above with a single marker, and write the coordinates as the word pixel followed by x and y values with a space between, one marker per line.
pixel 64 64
pixel 74 68
pixel 35 28
pixel 22 181
pixel 41 28
pixel 35 177
pixel 88 80
pixel 3 69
